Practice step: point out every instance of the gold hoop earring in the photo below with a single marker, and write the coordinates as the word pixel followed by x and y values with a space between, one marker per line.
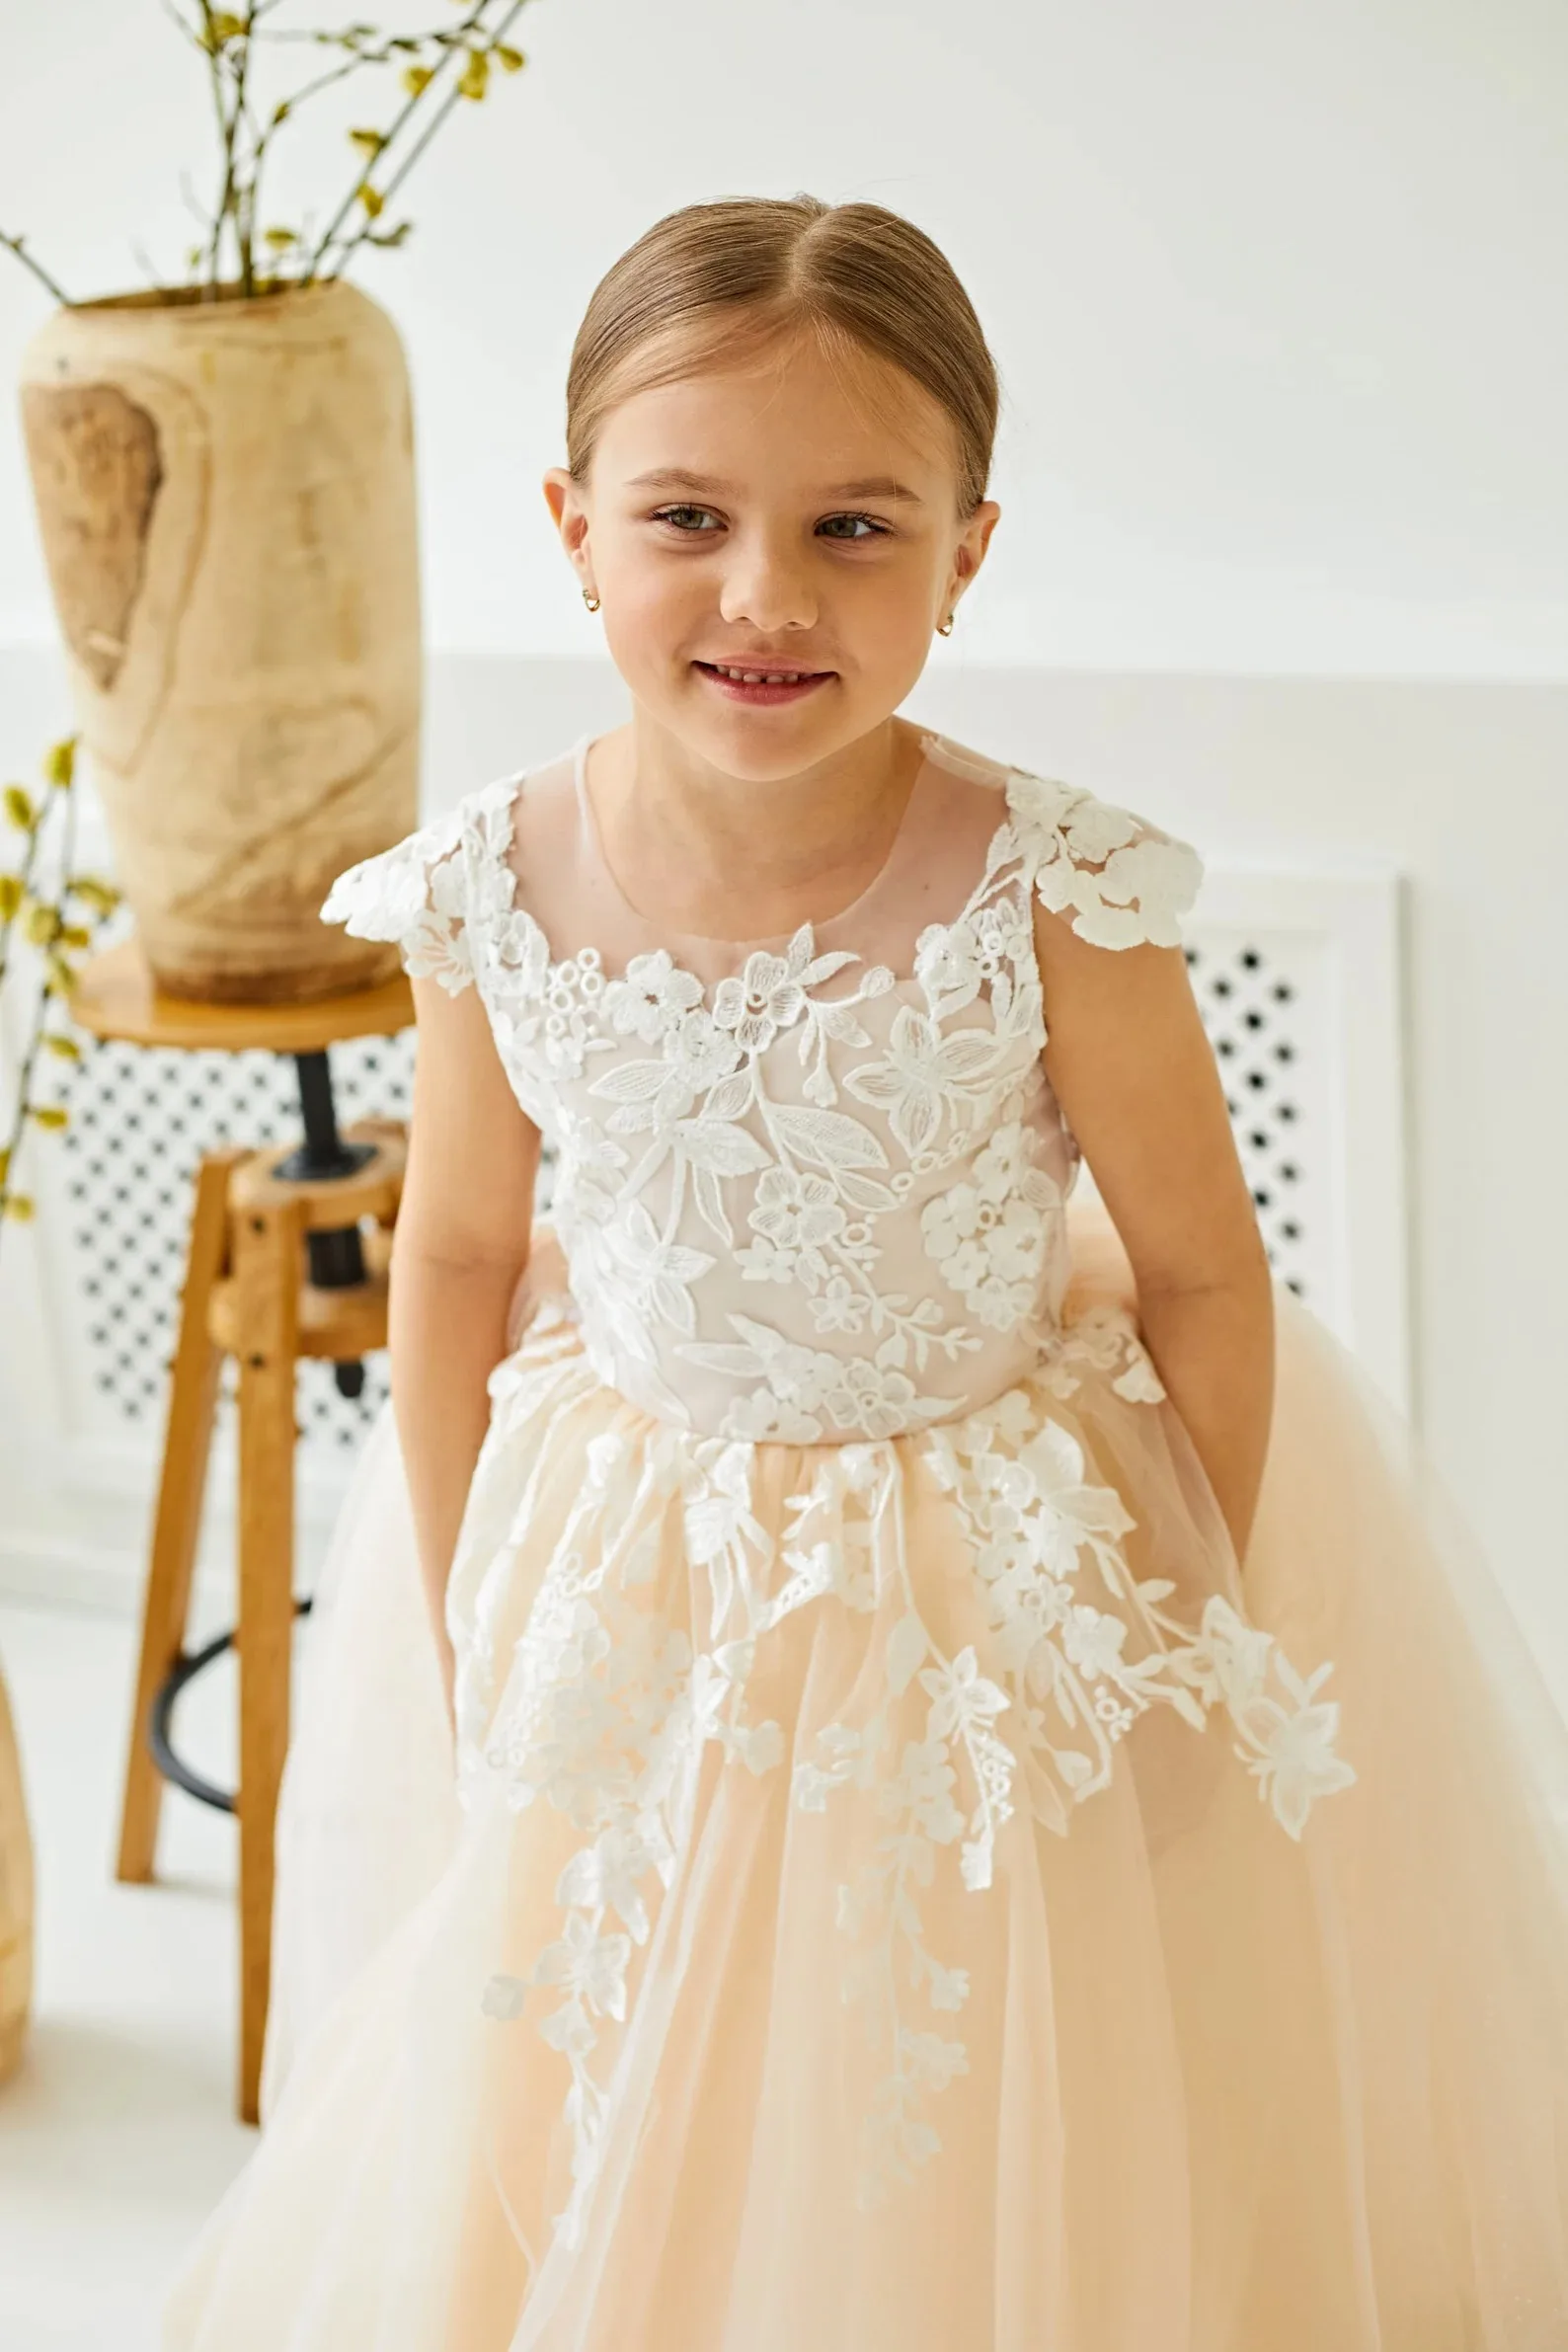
pixel 945 628
pixel 590 600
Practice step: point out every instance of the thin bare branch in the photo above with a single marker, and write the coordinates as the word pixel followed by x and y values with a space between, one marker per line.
pixel 388 187
pixel 246 132
pixel 18 246
pixel 415 101
pixel 191 32
pixel 149 267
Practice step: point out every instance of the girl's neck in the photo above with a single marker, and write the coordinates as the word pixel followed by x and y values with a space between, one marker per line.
pixel 714 857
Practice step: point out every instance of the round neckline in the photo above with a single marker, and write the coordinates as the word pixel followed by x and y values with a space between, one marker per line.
pixel 816 925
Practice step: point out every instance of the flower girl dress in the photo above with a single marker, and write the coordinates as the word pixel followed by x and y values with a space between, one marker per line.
pixel 905 1887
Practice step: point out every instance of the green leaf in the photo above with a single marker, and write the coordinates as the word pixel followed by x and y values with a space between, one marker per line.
pixel 474 80
pixel 219 30
pixel 59 764
pixel 19 808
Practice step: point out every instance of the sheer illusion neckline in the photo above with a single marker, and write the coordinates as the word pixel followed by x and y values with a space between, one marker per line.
pixel 897 851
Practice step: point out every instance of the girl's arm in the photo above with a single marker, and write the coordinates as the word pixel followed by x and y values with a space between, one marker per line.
pixel 1138 1083
pixel 459 1249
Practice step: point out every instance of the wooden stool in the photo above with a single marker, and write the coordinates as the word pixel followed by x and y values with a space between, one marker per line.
pixel 277 1267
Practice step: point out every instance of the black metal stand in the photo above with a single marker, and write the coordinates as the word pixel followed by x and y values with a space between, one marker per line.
pixel 336 1259
pixel 160 1719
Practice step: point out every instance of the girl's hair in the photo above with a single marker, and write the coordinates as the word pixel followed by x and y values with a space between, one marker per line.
pixel 730 280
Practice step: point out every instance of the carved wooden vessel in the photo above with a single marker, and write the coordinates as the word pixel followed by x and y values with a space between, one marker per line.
pixel 225 493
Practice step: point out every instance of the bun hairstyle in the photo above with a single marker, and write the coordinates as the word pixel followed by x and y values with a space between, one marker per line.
pixel 731 281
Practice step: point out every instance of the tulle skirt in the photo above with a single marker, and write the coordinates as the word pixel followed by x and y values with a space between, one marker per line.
pixel 915 1896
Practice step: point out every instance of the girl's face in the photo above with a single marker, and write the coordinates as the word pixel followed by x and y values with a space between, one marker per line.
pixel 773 514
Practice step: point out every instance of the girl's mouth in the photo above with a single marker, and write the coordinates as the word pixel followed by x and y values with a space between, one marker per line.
pixel 762 685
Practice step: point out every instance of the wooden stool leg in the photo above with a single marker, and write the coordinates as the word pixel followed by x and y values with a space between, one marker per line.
pixel 188 1438
pixel 268 1253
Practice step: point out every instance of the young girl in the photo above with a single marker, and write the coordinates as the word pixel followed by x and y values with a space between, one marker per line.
pixel 990 1816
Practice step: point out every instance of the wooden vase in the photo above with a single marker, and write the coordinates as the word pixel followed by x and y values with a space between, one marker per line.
pixel 16 1899
pixel 225 494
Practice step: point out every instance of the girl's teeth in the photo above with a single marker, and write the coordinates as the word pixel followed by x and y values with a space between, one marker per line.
pixel 763 678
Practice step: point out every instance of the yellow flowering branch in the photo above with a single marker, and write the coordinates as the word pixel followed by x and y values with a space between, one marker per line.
pixel 436 68
pixel 48 920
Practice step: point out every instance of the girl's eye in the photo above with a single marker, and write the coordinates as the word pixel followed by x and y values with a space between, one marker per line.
pixel 878 530
pixel 668 515
pixel 673 515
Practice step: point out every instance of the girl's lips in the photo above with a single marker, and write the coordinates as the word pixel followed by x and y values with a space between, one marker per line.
pixel 735 691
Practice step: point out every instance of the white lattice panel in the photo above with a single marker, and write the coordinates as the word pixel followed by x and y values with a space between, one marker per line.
pixel 1298 979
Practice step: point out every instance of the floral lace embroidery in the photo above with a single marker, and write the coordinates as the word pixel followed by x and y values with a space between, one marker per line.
pixel 1055 1696
pixel 990 1234
pixel 680 1158
pixel 1118 879
pixel 1034 1520
pixel 604 1715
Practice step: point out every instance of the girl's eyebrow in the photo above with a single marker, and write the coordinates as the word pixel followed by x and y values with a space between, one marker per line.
pixel 674 476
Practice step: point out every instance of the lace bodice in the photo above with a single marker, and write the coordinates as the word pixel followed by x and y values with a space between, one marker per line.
pixel 803 1194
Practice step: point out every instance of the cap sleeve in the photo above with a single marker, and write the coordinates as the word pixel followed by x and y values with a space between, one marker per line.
pixel 1119 880
pixel 416 893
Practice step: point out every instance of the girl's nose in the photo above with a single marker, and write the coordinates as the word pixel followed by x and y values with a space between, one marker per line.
pixel 767 590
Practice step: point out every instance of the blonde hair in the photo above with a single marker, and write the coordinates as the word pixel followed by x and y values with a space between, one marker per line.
pixel 733 278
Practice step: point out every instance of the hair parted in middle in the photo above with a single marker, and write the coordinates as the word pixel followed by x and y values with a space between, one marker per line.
pixel 735 278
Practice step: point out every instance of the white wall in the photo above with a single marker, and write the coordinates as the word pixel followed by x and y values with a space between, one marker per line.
pixel 1275 292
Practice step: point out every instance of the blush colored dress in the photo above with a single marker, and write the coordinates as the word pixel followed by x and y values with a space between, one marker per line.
pixel 904 1886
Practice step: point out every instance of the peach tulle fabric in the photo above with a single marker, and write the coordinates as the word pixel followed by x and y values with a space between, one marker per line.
pixel 1262 2046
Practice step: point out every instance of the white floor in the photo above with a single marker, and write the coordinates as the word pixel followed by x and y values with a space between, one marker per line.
pixel 118 2134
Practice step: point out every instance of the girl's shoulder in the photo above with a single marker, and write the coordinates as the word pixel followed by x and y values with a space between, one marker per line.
pixel 1114 877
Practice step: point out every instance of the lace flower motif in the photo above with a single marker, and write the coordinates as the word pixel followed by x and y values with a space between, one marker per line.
pixel 1119 880
pixel 989 1235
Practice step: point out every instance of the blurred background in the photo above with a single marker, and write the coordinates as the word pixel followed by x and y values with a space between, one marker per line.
pixel 1283 563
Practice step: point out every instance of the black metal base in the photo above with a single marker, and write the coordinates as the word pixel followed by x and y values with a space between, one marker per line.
pixel 160 1717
